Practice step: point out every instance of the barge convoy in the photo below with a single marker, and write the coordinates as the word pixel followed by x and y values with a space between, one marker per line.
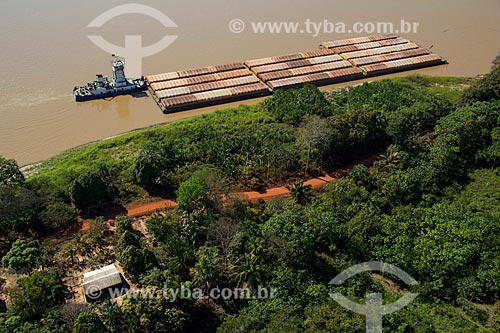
pixel 104 88
pixel 334 62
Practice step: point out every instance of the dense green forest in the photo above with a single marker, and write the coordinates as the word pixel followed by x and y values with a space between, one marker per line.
pixel 430 204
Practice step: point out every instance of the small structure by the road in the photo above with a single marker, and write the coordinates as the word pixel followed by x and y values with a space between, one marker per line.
pixel 98 284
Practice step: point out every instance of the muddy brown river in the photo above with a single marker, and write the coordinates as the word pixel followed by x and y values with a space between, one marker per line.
pixel 45 51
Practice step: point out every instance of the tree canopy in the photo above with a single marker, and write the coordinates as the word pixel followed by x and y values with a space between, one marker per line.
pixel 10 173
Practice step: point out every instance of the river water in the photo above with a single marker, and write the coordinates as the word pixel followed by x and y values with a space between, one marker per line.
pixel 45 51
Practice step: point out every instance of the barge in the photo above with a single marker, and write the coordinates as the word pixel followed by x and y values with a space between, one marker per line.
pixel 334 62
pixel 181 90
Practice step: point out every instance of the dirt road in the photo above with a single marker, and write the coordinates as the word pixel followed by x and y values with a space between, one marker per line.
pixel 136 210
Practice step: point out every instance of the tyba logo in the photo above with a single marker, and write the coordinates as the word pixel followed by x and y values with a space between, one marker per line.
pixel 133 51
pixel 374 308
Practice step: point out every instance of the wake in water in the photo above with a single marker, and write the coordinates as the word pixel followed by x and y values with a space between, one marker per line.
pixel 31 100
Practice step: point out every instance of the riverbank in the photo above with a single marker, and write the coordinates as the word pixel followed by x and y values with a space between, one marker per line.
pixel 173 117
pixel 32 169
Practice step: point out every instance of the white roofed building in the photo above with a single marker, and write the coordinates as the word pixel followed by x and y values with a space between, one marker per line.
pixel 98 284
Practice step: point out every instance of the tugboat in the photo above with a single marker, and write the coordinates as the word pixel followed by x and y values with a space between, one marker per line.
pixel 104 88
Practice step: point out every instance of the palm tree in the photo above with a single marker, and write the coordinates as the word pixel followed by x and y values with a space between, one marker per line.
pixel 300 192
pixel 206 271
pixel 255 246
pixel 388 160
pixel 249 271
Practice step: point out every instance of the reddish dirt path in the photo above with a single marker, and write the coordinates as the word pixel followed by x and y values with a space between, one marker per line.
pixel 136 210
pixel 150 207
pixel 276 192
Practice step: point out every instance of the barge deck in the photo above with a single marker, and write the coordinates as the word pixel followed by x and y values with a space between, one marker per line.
pixel 334 62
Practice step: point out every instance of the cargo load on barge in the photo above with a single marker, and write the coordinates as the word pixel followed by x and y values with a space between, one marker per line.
pixel 335 61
